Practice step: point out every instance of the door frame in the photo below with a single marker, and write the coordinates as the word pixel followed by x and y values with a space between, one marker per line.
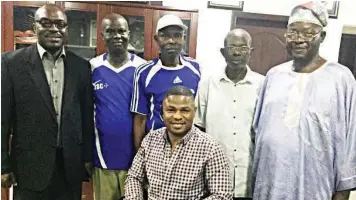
pixel 236 15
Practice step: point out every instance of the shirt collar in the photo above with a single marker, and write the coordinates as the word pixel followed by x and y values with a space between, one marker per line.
pixel 185 139
pixel 180 65
pixel 247 79
pixel 129 55
pixel 42 51
pixel 125 65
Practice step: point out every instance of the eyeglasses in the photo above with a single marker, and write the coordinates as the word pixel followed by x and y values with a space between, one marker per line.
pixel 243 49
pixel 293 35
pixel 47 23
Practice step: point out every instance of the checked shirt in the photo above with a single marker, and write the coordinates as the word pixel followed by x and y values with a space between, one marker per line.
pixel 196 169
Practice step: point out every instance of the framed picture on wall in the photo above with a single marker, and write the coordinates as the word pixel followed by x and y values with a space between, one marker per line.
pixel 229 5
pixel 333 8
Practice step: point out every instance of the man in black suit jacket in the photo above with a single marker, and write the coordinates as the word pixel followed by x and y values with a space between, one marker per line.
pixel 46 100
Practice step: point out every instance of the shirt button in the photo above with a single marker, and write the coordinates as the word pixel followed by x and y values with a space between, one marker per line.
pixel 234 133
pixel 234 117
pixel 235 85
pixel 234 100
pixel 234 149
pixel 55 81
pixel 235 166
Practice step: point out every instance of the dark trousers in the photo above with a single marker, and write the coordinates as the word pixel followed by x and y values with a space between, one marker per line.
pixel 58 189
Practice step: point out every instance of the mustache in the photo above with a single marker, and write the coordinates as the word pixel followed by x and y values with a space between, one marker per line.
pixel 53 35
pixel 172 46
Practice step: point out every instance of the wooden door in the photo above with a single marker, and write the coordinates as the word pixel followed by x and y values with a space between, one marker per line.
pixel 267 32
pixel 347 53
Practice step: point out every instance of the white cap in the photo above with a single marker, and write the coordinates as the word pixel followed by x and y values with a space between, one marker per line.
pixel 313 12
pixel 170 20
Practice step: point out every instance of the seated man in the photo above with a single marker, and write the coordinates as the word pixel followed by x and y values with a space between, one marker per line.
pixel 179 161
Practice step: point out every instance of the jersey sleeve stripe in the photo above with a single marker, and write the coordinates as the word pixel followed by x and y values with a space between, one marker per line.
pixel 139 70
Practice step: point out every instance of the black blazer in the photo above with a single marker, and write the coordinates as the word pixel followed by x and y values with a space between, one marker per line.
pixel 28 112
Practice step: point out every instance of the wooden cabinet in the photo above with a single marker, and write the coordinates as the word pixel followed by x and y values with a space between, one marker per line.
pixel 84 26
pixel 140 25
pixel 17 20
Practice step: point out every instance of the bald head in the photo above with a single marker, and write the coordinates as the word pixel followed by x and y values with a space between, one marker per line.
pixel 238 34
pixel 113 18
pixel 49 11
pixel 51 28
pixel 237 49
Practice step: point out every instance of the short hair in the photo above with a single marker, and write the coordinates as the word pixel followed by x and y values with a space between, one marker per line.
pixel 179 90
pixel 238 33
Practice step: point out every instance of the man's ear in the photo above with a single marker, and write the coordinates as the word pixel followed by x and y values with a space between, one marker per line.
pixel 128 34
pixel 222 51
pixel 161 111
pixel 322 36
pixel 34 28
pixel 155 38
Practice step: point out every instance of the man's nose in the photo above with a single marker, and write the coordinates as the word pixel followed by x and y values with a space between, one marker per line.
pixel 177 116
pixel 170 40
pixel 53 27
pixel 299 39
pixel 117 35
pixel 236 53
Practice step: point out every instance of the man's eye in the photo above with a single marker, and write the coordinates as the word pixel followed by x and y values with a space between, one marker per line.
pixel 122 31
pixel 178 35
pixel 61 24
pixel 46 23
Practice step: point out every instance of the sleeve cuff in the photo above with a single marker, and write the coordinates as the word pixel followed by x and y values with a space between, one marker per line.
pixel 348 182
pixel 138 112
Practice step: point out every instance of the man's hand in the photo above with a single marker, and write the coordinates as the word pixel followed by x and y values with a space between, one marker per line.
pixel 89 168
pixel 342 195
pixel 139 127
pixel 7 180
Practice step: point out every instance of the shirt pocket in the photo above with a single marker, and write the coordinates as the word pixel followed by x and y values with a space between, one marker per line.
pixel 316 132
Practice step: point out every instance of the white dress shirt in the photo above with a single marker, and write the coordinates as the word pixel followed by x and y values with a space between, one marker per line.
pixel 225 109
